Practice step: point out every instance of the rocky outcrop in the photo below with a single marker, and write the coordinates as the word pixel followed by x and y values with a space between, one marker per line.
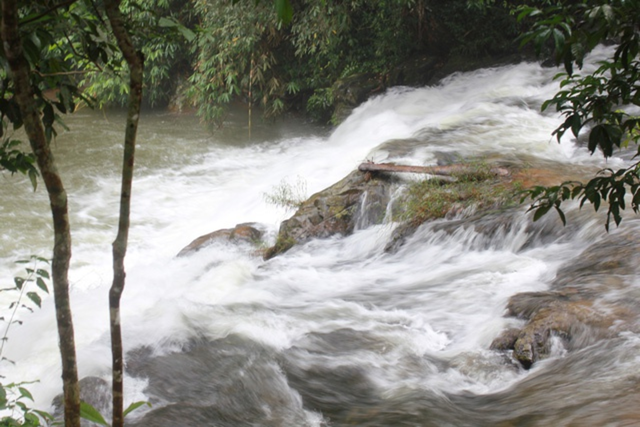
pixel 591 298
pixel 356 201
pixel 241 233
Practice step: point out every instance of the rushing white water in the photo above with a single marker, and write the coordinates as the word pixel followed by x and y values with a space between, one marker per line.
pixel 414 322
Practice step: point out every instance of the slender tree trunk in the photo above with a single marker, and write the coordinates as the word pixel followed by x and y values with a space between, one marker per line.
pixel 135 61
pixel 58 200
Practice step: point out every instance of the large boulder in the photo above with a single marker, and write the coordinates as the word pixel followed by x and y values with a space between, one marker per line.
pixel 357 201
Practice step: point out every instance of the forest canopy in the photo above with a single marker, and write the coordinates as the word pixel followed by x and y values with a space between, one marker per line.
pixel 209 53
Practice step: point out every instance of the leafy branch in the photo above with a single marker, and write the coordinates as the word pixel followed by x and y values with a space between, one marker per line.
pixel 595 102
pixel 607 186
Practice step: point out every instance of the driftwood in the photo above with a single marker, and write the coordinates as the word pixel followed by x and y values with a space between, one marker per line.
pixel 446 170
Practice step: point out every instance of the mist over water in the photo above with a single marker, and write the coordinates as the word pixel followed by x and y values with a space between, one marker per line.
pixel 335 330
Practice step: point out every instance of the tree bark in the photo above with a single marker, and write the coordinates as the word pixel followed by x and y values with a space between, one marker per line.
pixel 446 170
pixel 135 62
pixel 34 129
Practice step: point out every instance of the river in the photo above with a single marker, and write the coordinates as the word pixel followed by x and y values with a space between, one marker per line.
pixel 334 332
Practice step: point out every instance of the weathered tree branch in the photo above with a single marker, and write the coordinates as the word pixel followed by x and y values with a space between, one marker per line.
pixel 446 170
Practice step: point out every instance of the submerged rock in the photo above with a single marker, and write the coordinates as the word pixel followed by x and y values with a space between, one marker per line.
pixel 358 200
pixel 245 233
pixel 231 381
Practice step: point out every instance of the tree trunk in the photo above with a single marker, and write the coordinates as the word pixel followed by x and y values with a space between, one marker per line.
pixel 58 201
pixel 135 62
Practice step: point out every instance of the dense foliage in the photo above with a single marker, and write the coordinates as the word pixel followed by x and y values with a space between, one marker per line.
pixel 160 30
pixel 602 104
pixel 213 52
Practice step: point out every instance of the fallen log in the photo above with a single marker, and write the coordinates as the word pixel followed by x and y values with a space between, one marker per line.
pixel 446 170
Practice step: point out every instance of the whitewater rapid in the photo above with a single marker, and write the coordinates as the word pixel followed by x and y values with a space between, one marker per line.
pixel 438 301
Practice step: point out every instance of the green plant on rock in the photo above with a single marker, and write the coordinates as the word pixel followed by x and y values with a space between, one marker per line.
pixel 340 212
pixel 288 195
pixel 474 186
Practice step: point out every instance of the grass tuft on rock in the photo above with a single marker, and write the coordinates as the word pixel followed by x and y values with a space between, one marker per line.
pixel 476 186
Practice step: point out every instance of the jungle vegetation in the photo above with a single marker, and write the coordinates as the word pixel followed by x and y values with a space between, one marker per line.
pixel 239 54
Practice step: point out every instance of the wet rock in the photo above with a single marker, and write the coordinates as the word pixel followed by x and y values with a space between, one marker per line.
pixel 340 391
pixel 241 233
pixel 506 340
pixel 591 298
pixel 93 390
pixel 336 210
pixel 232 381
pixel 575 320
pixel 400 235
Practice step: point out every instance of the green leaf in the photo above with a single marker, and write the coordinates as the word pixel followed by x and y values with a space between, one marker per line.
pixel 90 413
pixel 42 285
pixel 42 273
pixel 33 178
pixel 25 393
pixel 19 281
pixel 3 397
pixel 44 415
pixel 575 123
pixel 134 406
pixel 35 298
pixel 187 33
pixel 31 420
pixel 561 214
pixel 596 137
pixel 558 38
pixel 167 23
pixel 284 10
pixel 541 211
